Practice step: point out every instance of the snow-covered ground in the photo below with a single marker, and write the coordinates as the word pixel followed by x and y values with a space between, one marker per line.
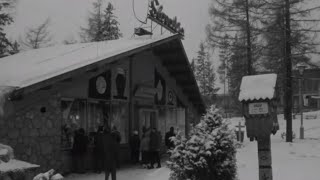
pixel 299 160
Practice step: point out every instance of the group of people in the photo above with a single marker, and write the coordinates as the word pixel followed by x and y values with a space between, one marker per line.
pixel 107 148
pixel 149 146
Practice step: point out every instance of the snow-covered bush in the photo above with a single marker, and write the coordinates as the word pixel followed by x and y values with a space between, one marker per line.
pixel 49 175
pixel 209 153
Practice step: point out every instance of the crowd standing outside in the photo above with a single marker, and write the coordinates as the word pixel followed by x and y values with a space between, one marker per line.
pixel 107 148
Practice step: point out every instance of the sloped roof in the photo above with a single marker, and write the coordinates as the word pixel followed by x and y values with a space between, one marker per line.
pixel 256 87
pixel 32 67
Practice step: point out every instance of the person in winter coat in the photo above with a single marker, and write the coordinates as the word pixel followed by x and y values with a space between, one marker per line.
pixel 155 144
pixel 110 154
pixel 98 149
pixel 117 136
pixel 79 150
pixel 168 141
pixel 145 148
pixel 135 147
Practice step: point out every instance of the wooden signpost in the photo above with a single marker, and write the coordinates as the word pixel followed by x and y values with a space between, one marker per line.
pixel 240 132
pixel 258 97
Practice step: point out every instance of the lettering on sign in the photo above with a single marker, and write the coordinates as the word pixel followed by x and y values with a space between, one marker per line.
pixel 258 108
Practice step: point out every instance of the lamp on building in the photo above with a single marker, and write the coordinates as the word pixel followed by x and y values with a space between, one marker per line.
pixel 301 67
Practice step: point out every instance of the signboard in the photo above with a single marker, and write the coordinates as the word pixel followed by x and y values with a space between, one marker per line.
pixel 258 108
pixel 145 92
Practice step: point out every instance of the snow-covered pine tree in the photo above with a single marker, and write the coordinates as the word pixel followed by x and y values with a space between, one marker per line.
pixel 110 29
pixel 102 25
pixel 209 153
pixel 5 19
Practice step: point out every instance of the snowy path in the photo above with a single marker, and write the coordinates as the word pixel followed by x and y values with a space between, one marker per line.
pixel 133 173
pixel 299 160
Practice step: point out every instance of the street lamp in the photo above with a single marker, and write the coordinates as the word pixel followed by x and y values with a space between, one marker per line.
pixel 301 67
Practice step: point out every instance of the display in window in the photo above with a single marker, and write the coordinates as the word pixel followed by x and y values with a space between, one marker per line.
pixel 73 118
pixel 160 85
pixel 119 120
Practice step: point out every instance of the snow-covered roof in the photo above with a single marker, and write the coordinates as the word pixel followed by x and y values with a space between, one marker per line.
pixel 257 87
pixel 34 66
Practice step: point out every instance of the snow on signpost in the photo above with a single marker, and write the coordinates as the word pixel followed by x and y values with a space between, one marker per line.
pixel 258 96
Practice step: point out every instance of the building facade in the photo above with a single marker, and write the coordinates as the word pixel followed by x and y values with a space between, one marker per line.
pixel 134 84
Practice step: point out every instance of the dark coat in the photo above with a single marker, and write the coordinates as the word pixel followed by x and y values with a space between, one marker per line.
pixel 110 151
pixel 98 142
pixel 154 141
pixel 116 134
pixel 135 142
pixel 169 143
pixel 145 142
pixel 80 143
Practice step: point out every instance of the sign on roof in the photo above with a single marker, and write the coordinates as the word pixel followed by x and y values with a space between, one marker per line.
pixel 257 87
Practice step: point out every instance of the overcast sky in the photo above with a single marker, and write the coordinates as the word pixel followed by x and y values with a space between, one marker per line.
pixel 68 15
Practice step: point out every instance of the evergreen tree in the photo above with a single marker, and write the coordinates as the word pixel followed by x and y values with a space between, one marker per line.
pixel 209 153
pixel 110 25
pixel 5 19
pixel 205 75
pixel 102 26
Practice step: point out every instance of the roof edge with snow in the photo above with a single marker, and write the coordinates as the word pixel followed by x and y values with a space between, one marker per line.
pixel 258 87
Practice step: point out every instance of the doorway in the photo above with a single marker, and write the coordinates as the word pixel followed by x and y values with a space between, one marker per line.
pixel 148 118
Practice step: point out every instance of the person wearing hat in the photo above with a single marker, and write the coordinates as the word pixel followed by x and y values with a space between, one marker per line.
pixel 135 147
pixel 110 154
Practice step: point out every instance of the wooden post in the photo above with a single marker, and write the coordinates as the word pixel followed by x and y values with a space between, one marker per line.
pixel 239 130
pixel 265 159
pixel 132 125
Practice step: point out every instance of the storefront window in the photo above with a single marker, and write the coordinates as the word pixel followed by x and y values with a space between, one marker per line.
pixel 73 118
pixel 89 115
pixel 120 119
pixel 98 114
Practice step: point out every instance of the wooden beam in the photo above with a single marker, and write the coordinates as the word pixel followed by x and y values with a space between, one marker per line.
pixel 172 62
pixel 66 80
pixel 46 87
pixel 177 69
pixel 167 48
pixel 189 92
pixel 92 70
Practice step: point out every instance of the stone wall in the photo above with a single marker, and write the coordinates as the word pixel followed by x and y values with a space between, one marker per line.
pixel 34 131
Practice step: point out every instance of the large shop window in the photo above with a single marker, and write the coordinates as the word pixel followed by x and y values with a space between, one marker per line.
pixel 120 119
pixel 73 118
pixel 89 115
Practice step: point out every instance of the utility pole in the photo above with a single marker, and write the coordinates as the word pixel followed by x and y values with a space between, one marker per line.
pixel 249 56
pixel 288 80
